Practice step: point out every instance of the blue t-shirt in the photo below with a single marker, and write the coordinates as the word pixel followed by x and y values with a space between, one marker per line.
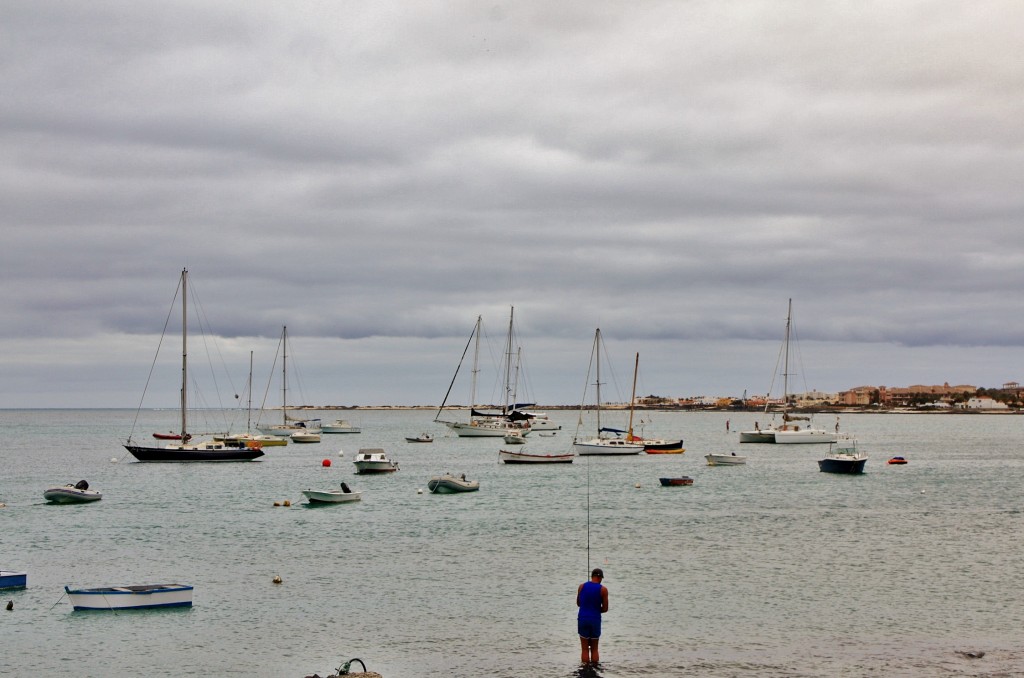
pixel 590 602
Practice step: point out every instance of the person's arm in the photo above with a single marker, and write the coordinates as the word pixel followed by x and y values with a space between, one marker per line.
pixel 604 599
pixel 578 591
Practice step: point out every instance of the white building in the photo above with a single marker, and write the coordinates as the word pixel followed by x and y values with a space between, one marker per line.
pixel 984 403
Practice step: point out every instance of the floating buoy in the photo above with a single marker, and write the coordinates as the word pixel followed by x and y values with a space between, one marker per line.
pixel 10 604
pixel 3 505
pixel 277 503
pixel 287 502
pixel 325 462
pixel 277 579
pixel 419 490
pixel 341 453
pixel 637 486
pixel 113 460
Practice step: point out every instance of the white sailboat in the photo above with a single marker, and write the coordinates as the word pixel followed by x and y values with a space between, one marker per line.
pixel 602 444
pixel 791 431
pixel 482 424
pixel 289 425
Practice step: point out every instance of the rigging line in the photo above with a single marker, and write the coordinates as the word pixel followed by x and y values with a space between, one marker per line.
pixel 152 366
pixel 588 514
pixel 270 380
pixel 454 376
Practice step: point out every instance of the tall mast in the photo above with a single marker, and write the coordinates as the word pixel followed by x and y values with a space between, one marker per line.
pixel 476 367
pixel 785 369
pixel 508 362
pixel 248 407
pixel 284 373
pixel 184 354
pixel 632 398
pixel 597 351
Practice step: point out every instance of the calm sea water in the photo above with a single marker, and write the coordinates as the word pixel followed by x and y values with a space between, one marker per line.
pixel 768 569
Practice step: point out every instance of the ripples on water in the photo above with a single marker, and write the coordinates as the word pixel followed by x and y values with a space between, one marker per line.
pixel 772 569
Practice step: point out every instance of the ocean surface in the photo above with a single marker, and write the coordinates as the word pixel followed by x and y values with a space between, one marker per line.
pixel 768 569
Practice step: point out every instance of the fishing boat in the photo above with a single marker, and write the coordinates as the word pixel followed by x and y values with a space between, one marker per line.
pixel 602 444
pixel 421 438
pixel 374 460
pixel 676 482
pixel 515 439
pixel 732 459
pixel 843 457
pixel 339 496
pixel 514 457
pixel 13 580
pixel 184 450
pixel 289 424
pixel 139 597
pixel 449 484
pixel 485 424
pixel 340 426
pixel 79 493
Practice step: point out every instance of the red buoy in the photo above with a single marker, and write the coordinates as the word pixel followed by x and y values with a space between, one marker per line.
pixel 326 462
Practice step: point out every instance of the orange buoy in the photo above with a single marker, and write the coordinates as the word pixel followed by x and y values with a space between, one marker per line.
pixel 326 462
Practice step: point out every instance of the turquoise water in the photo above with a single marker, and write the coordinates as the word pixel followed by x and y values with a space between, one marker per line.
pixel 768 569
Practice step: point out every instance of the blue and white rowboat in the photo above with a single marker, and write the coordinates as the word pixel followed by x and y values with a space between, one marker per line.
pixel 131 597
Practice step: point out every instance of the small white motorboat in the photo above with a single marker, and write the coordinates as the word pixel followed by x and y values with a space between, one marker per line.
pixel 515 438
pixel 716 459
pixel 340 426
pixel 79 493
pixel 339 496
pixel 305 437
pixel 421 438
pixel 510 457
pixel 131 597
pixel 449 484
pixel 373 460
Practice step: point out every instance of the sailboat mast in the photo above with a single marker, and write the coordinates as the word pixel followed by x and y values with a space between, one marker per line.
pixel 184 354
pixel 284 374
pixel 597 351
pixel 508 362
pixel 476 368
pixel 248 407
pixel 785 369
pixel 632 398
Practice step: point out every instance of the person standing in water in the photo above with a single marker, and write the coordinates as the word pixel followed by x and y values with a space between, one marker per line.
pixel 592 599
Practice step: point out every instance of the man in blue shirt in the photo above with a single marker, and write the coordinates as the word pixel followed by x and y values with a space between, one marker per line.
pixel 592 599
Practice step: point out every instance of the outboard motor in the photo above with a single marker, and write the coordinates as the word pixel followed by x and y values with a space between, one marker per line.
pixel 81 485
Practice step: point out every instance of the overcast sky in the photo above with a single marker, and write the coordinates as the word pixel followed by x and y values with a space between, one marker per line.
pixel 376 175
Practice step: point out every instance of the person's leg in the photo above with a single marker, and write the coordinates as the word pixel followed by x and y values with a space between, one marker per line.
pixel 584 650
pixel 594 655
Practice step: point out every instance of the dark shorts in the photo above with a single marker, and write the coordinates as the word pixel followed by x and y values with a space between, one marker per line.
pixel 590 630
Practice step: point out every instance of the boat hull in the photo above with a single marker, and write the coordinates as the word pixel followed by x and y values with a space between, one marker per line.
pixel 509 457
pixel 676 482
pixel 606 448
pixel 663 446
pixel 186 454
pixel 451 485
pixel 757 436
pixel 142 597
pixel 837 465
pixel 69 494
pixel 13 580
pixel 725 459
pixel 331 496
pixel 807 436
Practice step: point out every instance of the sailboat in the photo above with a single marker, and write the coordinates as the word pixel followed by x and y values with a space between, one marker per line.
pixel 651 445
pixel 791 431
pixel 602 444
pixel 263 439
pixel 184 449
pixel 484 424
pixel 289 425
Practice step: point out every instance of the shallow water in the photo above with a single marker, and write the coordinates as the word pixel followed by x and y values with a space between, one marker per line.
pixel 768 569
